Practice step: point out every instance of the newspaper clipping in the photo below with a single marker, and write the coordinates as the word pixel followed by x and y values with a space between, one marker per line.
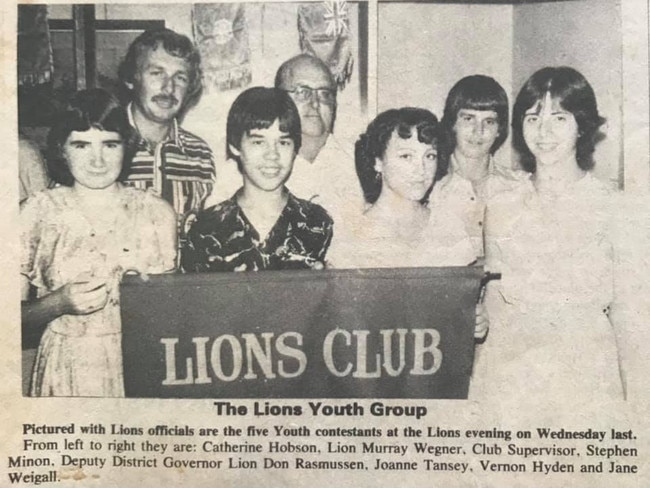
pixel 366 243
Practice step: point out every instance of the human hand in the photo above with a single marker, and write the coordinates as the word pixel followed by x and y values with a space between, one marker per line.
pixel 83 296
pixel 317 265
pixel 141 274
pixel 482 322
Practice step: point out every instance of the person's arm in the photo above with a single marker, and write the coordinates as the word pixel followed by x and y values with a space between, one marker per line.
pixel 629 329
pixel 327 239
pixel 482 322
pixel 190 249
pixel 324 231
pixel 629 312
pixel 81 297
pixel 482 315
pixel 203 250
pixel 34 317
pixel 495 225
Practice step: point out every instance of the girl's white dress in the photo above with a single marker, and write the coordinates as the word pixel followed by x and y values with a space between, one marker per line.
pixel 81 355
pixel 369 243
pixel 550 335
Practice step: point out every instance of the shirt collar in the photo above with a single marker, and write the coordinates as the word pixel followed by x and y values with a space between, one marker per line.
pixel 173 133
pixel 292 202
pixel 453 165
pixel 291 205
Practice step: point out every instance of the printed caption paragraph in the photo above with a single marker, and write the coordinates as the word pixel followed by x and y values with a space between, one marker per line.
pixel 53 453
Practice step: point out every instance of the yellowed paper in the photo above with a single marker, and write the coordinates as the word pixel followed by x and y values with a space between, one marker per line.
pixel 415 53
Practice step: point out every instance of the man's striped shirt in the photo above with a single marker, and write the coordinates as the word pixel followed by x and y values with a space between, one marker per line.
pixel 180 169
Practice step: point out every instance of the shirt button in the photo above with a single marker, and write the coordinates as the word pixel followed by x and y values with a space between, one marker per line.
pixel 471 198
pixel 480 223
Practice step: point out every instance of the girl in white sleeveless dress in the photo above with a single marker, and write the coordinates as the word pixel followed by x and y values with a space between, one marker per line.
pixel 550 333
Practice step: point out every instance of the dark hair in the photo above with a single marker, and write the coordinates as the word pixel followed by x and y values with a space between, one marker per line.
pixel 176 45
pixel 574 93
pixel 88 109
pixel 259 108
pixel 476 92
pixel 373 143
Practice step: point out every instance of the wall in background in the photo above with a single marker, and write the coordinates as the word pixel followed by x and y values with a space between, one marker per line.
pixel 273 38
pixel 509 43
pixel 424 48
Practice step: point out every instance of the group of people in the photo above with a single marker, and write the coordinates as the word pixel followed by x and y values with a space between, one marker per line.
pixel 133 186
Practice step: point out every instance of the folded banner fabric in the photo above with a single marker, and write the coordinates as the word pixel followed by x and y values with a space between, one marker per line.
pixel 373 333
pixel 221 35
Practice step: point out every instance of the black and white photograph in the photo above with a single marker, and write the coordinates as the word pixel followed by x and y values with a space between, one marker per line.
pixel 394 242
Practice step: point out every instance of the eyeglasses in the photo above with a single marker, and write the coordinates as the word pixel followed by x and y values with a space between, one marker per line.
pixel 305 94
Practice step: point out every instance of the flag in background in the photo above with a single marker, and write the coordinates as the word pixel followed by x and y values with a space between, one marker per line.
pixel 221 35
pixel 324 30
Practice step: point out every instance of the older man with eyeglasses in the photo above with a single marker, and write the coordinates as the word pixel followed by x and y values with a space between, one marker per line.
pixel 324 170
pixel 312 87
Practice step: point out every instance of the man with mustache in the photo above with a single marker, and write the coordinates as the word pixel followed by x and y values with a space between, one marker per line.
pixel 162 73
